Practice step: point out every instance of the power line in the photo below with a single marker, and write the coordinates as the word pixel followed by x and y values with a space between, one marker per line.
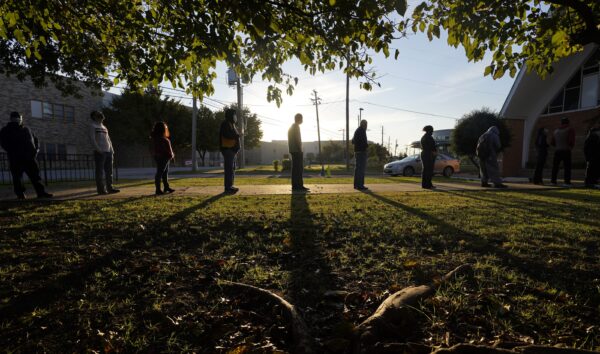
pixel 408 110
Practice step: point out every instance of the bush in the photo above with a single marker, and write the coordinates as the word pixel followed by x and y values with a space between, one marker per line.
pixel 276 165
pixel 286 165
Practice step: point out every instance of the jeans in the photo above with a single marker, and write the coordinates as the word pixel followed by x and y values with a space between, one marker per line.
pixel 539 166
pixel 563 156
pixel 229 166
pixel 104 163
pixel 32 170
pixel 297 169
pixel 427 160
pixel 359 169
pixel 162 173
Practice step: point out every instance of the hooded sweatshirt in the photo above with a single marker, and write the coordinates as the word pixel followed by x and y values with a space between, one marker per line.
pixel 492 138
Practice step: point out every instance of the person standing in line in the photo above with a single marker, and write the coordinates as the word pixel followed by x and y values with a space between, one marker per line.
pixel 103 154
pixel 488 147
pixel 163 154
pixel 591 149
pixel 359 140
pixel 428 155
pixel 541 146
pixel 22 148
pixel 230 145
pixel 295 148
pixel 563 141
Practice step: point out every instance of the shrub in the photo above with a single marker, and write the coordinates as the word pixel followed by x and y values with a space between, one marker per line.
pixel 286 165
pixel 276 165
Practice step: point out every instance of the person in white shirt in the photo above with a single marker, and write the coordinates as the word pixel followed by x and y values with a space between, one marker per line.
pixel 103 154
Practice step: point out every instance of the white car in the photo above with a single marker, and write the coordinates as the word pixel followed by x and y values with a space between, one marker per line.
pixel 409 166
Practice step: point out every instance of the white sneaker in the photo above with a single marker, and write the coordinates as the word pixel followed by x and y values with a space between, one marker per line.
pixel 567 185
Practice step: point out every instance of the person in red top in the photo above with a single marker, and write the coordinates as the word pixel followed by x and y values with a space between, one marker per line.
pixel 163 154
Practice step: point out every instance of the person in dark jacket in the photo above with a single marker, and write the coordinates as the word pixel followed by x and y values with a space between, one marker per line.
pixel 591 149
pixel 359 140
pixel 428 155
pixel 163 154
pixel 295 149
pixel 541 146
pixel 230 145
pixel 563 141
pixel 22 147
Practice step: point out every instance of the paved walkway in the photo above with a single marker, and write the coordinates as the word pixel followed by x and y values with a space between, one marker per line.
pixel 148 190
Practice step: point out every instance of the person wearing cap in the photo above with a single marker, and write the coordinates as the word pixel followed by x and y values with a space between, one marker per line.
pixel 22 147
pixel 359 140
pixel 428 154
pixel 295 149
pixel 563 141
pixel 103 154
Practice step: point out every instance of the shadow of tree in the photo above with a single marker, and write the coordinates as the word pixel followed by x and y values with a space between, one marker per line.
pixel 51 292
pixel 576 281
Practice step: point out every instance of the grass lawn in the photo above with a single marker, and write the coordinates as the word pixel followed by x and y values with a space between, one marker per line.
pixel 142 274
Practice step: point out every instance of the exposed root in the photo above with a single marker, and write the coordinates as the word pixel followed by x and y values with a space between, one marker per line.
pixel 528 349
pixel 395 317
pixel 303 342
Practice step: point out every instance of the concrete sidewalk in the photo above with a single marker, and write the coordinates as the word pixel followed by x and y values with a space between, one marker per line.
pixel 148 190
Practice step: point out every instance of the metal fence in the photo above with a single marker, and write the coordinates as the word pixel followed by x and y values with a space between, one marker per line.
pixel 57 168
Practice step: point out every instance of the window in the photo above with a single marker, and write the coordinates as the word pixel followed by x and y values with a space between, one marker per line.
pixel 59 111
pixel 47 110
pixel 589 91
pixel 50 151
pixel 69 114
pixel 36 109
pixel 71 152
pixel 62 151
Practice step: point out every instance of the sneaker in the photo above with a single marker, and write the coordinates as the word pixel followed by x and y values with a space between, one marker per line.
pixel 500 185
pixel 159 192
pixel 113 191
pixel 231 190
pixel 485 185
pixel 429 187
pixel 44 195
pixel 102 192
pixel 21 196
pixel 363 188
pixel 169 190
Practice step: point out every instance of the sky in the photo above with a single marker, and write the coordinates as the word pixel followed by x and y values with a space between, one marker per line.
pixel 430 78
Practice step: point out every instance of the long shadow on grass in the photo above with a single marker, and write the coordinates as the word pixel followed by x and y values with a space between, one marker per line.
pixel 310 271
pixel 76 279
pixel 546 212
pixel 572 280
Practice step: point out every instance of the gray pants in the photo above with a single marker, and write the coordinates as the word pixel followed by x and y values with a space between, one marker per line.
pixel 359 169
pixel 297 167
pixel 490 171
pixel 104 164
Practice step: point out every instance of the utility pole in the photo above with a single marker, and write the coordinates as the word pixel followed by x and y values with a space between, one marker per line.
pixel 194 127
pixel 241 121
pixel 347 150
pixel 396 147
pixel 316 103
pixel 388 145
pixel 382 136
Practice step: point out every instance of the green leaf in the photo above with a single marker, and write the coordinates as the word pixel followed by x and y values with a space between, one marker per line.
pixel 331 2
pixel 401 6
pixel 488 70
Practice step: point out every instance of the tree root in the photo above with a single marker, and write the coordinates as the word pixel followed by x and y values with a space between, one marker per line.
pixel 303 341
pixel 395 317
pixel 527 349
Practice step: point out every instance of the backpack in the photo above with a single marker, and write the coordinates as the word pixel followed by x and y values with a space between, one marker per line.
pixel 483 149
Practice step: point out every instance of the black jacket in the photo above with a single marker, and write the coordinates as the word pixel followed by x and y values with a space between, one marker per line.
pixel 591 146
pixel 428 145
pixel 541 142
pixel 18 141
pixel 229 131
pixel 359 140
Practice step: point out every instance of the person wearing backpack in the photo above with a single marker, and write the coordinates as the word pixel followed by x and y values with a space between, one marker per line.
pixel 541 146
pixel 488 147
pixel 563 141
pixel 230 145
pixel 591 150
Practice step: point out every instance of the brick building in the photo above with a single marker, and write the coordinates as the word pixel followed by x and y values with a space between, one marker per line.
pixel 572 90
pixel 61 123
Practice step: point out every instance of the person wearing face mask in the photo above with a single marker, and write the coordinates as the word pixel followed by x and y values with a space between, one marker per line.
pixel 22 147
pixel 230 145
